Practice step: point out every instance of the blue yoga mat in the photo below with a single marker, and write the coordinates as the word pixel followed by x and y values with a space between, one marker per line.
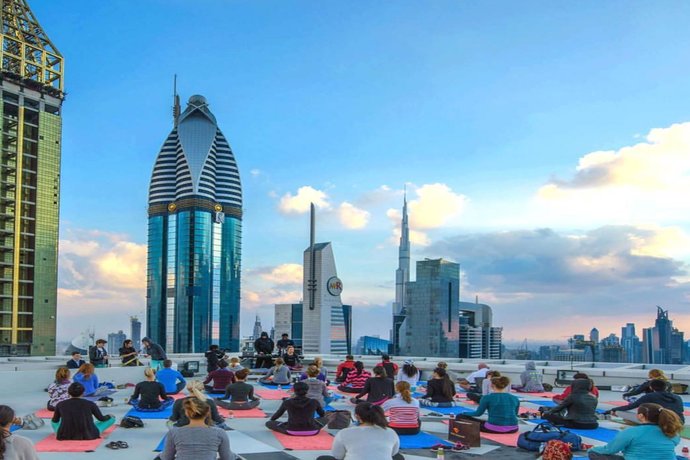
pixel 450 410
pixel 159 447
pixel 163 414
pixel 417 394
pixel 686 404
pixel 215 395
pixel 600 434
pixel 541 402
pixel 421 441
pixel 286 386
pixel 327 409
pixel 14 428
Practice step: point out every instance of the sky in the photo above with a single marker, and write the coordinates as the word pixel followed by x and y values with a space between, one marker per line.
pixel 544 146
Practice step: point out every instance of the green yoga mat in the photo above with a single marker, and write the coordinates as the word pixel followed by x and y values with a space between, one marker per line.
pixel 685 433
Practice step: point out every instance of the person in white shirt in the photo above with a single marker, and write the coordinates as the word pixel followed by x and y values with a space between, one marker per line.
pixel 408 373
pixel 482 369
pixel 371 440
pixel 486 387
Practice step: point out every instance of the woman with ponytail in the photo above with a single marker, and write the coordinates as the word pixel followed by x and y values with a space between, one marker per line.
pixel 408 373
pixel 197 440
pixel 12 446
pixel 655 438
pixel 196 390
pixel 403 410
pixel 371 439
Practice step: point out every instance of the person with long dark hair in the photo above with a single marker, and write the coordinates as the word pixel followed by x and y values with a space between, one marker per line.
pixel 371 439
pixel 300 410
pixel 196 440
pixel 408 373
pixel 579 375
pixel 655 438
pixel 12 446
pixel 440 390
pixel 57 391
pixel 355 380
pixel 128 354
pixel 73 419
pixel 377 389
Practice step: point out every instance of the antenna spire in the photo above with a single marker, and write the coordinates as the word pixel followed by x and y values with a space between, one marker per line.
pixel 176 102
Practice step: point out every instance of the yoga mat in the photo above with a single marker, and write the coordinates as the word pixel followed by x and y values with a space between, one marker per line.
pixel 600 434
pixel 161 445
pixel 272 394
pixel 242 444
pixel 95 398
pixel 686 404
pixel 421 440
pixel 44 413
pixel 270 456
pixel 508 439
pixel 162 415
pixel 51 444
pixel 541 402
pixel 543 394
pixel 449 410
pixel 215 395
pixel 178 396
pixel 616 403
pixel 321 441
pixel 685 433
pixel 14 428
pixel 272 386
pixel 249 413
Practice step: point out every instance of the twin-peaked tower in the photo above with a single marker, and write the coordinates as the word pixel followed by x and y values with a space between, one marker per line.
pixel 194 240
pixel 402 277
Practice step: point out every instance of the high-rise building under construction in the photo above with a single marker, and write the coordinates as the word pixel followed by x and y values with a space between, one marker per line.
pixel 32 94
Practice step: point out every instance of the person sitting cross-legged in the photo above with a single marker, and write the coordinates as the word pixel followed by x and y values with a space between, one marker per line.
pixel 486 387
pixel 440 390
pixel 578 410
pixel 300 410
pixel 659 395
pixel 343 368
pixel 355 380
pixel 655 438
pixel 172 380
pixel 240 394
pixel 196 390
pixel 291 359
pixel 372 439
pixel 502 408
pixel 221 377
pixel 86 375
pixel 403 410
pixel 377 389
pixel 531 380
pixel 57 391
pixel 73 418
pixel 13 446
pixel 278 374
pixel 317 387
pixel 150 395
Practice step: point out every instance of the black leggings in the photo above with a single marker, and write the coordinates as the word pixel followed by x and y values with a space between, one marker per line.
pixel 558 420
pixel 345 389
pixel 282 427
pixel 404 431
pixel 238 406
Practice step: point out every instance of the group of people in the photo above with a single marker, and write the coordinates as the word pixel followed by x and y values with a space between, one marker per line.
pixel 264 347
pixel 129 356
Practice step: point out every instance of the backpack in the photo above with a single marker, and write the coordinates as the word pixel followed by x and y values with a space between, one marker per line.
pixel 557 450
pixel 545 432
pixel 131 421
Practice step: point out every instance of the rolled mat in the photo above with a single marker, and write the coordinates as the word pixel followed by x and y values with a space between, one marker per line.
pixel 161 414
pixel 248 413
pixel 272 394
pixel 321 441
pixel 14 428
pixel 51 444
pixel 161 445
pixel 421 440
pixel 507 439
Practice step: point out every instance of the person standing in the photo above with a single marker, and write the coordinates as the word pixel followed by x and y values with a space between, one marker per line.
pixel 263 346
pixel 284 343
pixel 98 355
pixel 155 352
pixel 128 354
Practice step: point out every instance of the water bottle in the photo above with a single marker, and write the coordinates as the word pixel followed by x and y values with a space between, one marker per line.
pixel 280 387
pixel 686 452
pixel 440 453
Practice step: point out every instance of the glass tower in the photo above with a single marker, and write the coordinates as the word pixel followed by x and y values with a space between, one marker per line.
pixel 32 93
pixel 194 237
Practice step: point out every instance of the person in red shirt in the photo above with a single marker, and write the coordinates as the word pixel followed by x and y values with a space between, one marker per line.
pixel 343 368
pixel 390 367
pixel 580 375
pixel 222 377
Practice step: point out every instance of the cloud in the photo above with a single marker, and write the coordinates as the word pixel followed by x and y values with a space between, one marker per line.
pixel 283 274
pixel 299 203
pixel 434 206
pixel 646 181
pixel 352 217
pixel 417 238
pixel 255 172
pixel 551 279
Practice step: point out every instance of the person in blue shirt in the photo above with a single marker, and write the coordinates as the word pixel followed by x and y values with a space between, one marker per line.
pixel 171 379
pixel 655 438
pixel 88 378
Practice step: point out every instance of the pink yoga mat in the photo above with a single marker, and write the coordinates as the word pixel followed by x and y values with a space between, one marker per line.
pixel 616 403
pixel 322 441
pixel 509 439
pixel 545 394
pixel 272 394
pixel 251 413
pixel 44 413
pixel 51 444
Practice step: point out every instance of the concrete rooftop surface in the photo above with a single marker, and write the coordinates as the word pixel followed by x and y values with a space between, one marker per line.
pixel 24 391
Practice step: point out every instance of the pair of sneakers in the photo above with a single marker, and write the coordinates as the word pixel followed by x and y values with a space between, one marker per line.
pixel 457 447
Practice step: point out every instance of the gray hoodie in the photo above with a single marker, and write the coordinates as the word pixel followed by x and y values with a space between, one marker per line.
pixel 531 379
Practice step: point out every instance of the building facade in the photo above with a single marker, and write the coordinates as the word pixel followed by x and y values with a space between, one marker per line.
pixel 288 320
pixel 630 342
pixel 30 149
pixel 369 345
pixel 402 277
pixel 257 328
pixel 135 331
pixel 115 340
pixel 479 339
pixel 663 343
pixel 431 325
pixel 194 237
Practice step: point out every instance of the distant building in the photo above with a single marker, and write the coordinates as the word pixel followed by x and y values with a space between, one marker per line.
pixel 662 344
pixel 478 338
pixel 632 346
pixel 257 328
pixel 548 352
pixel 135 331
pixel 573 354
pixel 611 350
pixel 594 335
pixel 115 340
pixel 288 320
pixel 368 345
pixel 431 325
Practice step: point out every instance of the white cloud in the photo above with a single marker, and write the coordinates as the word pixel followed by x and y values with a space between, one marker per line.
pixel 299 203
pixel 352 217
pixel 284 274
pixel 435 206
pixel 255 172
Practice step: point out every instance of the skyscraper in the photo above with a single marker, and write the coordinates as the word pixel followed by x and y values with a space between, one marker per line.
pixel 662 344
pixel 115 340
pixel 478 337
pixel 632 347
pixel 135 331
pixel 257 327
pixel 402 277
pixel 194 237
pixel 30 149
pixel 432 321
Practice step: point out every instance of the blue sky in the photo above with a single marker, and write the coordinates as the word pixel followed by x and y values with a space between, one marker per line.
pixel 485 110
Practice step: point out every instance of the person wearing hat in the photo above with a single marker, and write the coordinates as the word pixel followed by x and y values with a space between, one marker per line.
pixel 155 352
pixel 98 355
pixel 408 373
pixel 284 343
pixel 263 346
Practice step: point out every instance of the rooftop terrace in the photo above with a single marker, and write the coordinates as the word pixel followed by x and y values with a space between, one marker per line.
pixel 25 378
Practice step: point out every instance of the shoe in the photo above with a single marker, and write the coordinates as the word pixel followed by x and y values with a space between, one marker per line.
pixel 459 447
pixel 584 446
pixel 122 444
pixel 112 445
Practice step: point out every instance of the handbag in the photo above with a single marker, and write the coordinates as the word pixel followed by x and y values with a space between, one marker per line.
pixel 339 419
pixel 545 432
pixel 32 422
pixel 131 421
pixel 557 450
pixel 465 430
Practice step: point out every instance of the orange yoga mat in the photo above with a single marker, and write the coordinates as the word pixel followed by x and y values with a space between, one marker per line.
pixel 508 439
pixel 321 441
pixel 44 413
pixel 251 413
pixel 51 444
pixel 544 394
pixel 272 394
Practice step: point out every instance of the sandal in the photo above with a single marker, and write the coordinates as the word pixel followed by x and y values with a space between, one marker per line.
pixel 459 447
pixel 112 445
pixel 122 444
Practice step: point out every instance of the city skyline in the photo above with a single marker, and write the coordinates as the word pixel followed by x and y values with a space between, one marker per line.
pixel 554 172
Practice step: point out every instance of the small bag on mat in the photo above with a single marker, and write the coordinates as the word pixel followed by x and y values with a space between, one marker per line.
pixel 557 450
pixel 131 421
pixel 545 432
pixel 464 430
pixel 32 422
pixel 339 419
